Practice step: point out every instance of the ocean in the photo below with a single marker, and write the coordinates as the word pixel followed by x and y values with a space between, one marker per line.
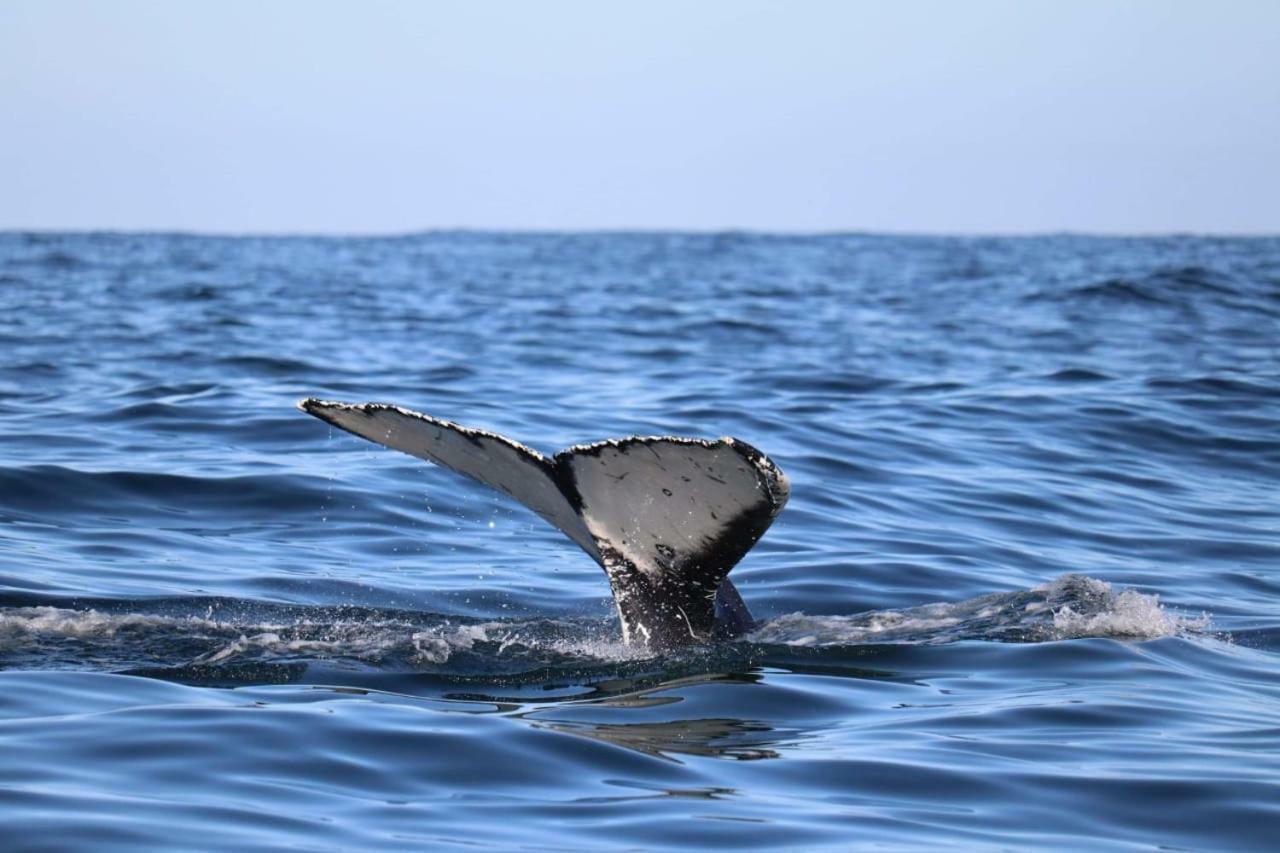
pixel 1025 595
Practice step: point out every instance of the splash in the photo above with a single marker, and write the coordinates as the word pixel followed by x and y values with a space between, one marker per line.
pixel 47 635
pixel 1100 611
pixel 1069 607
pixel 22 623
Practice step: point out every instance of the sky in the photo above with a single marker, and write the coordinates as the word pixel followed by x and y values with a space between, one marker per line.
pixel 1128 116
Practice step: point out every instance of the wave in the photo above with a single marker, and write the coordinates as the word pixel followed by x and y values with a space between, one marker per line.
pixel 1182 289
pixel 1070 607
pixel 46 490
pixel 111 638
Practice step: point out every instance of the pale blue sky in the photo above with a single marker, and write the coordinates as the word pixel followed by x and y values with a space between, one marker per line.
pixel 799 116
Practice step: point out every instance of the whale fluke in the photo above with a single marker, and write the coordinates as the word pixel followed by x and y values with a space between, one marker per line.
pixel 666 517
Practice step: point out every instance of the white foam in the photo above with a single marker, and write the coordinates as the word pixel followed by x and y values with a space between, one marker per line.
pixel 1069 607
pixel 1127 614
pixel 1072 606
pixel 571 639
pixel 438 644
pixel 801 629
pixel 369 639
pixel 18 622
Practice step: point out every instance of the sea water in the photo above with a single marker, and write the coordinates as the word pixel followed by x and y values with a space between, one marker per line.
pixel 1026 592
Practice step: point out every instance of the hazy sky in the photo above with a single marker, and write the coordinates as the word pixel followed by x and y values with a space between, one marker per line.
pixel 397 116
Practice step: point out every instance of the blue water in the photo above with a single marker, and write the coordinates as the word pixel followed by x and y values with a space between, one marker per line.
pixel 1026 593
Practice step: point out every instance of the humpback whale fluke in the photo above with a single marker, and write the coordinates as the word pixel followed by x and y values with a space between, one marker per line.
pixel 666 517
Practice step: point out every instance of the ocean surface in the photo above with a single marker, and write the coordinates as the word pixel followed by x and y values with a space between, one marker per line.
pixel 1026 592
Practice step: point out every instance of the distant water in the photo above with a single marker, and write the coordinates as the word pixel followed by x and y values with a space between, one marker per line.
pixel 1026 593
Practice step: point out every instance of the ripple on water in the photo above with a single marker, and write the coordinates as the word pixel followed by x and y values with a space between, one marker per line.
pixel 346 649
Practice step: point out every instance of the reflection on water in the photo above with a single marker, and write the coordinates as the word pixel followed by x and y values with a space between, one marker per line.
pixel 743 740
pixel 739 739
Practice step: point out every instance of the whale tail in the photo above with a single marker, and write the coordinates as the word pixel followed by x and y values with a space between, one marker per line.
pixel 666 517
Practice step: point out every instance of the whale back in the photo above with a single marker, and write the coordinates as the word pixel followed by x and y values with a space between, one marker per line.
pixel 667 518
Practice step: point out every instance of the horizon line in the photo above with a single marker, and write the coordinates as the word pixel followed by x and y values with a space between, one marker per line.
pixel 338 234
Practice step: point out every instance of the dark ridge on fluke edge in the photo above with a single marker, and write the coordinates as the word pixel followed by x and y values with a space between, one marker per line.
pixel 666 517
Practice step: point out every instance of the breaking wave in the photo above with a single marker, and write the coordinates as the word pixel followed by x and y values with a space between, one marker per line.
pixel 1070 607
